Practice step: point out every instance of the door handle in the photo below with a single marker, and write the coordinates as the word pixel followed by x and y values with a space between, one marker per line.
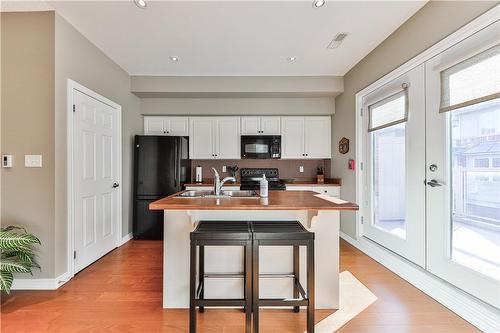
pixel 434 183
pixel 115 185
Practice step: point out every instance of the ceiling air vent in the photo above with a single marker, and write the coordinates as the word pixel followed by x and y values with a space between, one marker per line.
pixel 337 40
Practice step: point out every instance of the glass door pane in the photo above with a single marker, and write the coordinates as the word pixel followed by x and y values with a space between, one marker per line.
pixel 389 179
pixel 475 171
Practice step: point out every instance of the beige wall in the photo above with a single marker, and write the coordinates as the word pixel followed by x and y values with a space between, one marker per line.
pixel 40 51
pixel 78 59
pixel 247 106
pixel 433 22
pixel 27 119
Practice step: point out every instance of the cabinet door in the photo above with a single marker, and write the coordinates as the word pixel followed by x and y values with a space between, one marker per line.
pixel 250 125
pixel 270 125
pixel 318 139
pixel 228 140
pixel 154 125
pixel 201 138
pixel 178 126
pixel 292 137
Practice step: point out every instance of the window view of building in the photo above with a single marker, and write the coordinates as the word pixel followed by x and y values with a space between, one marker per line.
pixel 475 160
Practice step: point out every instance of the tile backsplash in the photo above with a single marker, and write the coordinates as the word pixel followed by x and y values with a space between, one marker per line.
pixel 287 168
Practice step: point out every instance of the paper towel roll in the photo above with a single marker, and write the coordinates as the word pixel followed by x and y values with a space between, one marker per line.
pixel 199 174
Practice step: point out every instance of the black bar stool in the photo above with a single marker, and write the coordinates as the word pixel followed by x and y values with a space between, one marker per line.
pixel 219 233
pixel 284 233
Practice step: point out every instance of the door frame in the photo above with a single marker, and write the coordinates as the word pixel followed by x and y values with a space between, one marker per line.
pixel 469 29
pixel 71 87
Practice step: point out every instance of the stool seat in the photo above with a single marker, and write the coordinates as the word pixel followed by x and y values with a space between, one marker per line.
pixel 208 230
pixel 280 230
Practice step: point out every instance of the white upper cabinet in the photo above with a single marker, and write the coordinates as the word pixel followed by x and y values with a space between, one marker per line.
pixel 306 137
pixel 270 125
pixel 292 137
pixel 318 137
pixel 154 126
pixel 250 125
pixel 201 138
pixel 214 138
pixel 257 125
pixel 160 125
pixel 228 140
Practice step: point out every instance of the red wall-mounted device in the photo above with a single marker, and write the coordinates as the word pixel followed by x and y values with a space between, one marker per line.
pixel 351 164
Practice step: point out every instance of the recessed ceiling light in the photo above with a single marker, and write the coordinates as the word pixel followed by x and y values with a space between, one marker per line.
pixel 173 58
pixel 319 3
pixel 291 59
pixel 141 3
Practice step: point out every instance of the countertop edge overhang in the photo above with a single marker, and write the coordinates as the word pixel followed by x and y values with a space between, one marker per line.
pixel 277 200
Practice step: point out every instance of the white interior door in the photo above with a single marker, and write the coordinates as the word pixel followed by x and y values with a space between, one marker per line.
pixel 96 163
pixel 463 154
pixel 394 137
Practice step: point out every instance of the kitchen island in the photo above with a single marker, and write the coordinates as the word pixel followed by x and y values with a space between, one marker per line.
pixel 317 212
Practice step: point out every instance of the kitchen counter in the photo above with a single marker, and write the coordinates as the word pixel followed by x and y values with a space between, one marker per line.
pixel 277 200
pixel 319 213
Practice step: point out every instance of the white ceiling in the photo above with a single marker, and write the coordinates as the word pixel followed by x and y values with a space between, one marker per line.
pixel 235 37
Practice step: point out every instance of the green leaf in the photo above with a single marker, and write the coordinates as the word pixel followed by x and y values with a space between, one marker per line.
pixel 6 279
pixel 13 227
pixel 15 266
pixel 21 255
pixel 10 240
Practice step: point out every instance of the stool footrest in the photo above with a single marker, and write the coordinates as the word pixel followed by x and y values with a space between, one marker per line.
pixel 219 302
pixel 283 302
pixel 241 275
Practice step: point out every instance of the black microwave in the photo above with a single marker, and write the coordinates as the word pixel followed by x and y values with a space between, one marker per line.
pixel 260 146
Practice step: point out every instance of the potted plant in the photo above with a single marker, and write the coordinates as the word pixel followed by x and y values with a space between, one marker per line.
pixel 17 254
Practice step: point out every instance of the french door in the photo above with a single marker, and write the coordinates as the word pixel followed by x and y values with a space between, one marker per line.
pixel 432 154
pixel 394 121
pixel 463 165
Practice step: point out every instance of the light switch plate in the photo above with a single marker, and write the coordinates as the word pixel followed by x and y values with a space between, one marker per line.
pixel 7 161
pixel 33 161
pixel 301 168
pixel 224 169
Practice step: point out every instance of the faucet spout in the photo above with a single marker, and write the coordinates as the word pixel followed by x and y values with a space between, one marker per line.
pixel 217 185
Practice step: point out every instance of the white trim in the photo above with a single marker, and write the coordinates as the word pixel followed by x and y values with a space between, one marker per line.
pixel 40 284
pixel 479 314
pixel 125 239
pixel 72 85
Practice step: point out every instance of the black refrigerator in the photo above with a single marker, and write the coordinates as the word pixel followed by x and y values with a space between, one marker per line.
pixel 161 167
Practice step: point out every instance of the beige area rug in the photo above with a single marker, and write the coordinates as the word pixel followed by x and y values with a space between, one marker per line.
pixel 354 298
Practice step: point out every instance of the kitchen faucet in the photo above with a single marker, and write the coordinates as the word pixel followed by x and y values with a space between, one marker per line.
pixel 218 183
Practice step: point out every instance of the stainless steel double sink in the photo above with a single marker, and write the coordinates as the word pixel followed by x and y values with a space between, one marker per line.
pixel 223 194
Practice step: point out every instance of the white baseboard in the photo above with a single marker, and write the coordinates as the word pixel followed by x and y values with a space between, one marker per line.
pixel 40 284
pixel 125 239
pixel 479 314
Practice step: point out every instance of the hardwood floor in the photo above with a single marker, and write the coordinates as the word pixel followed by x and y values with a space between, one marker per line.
pixel 122 292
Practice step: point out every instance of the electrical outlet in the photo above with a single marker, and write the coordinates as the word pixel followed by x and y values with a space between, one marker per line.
pixel 224 169
pixel 301 168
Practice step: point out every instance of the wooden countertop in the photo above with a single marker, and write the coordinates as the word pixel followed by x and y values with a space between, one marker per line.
pixel 277 200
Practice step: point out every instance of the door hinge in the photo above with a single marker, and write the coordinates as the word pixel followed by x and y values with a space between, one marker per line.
pixel 74 254
pixel 361 112
pixel 361 166
pixel 74 108
pixel 362 220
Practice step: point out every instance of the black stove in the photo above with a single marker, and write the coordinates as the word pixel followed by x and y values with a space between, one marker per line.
pixel 250 178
